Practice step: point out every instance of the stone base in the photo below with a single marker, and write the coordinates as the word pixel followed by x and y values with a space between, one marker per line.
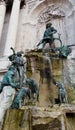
pixel 42 118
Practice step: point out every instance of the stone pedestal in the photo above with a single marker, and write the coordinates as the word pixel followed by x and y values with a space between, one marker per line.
pixel 17 120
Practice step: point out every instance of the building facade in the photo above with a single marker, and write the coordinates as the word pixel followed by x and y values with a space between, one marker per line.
pixel 22 24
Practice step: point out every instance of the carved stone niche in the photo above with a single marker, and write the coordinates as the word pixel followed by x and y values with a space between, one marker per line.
pixel 51 12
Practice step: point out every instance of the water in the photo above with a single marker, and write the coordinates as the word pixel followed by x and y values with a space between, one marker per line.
pixel 44 69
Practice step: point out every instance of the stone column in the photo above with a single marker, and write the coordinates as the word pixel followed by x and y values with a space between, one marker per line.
pixel 12 29
pixel 2 15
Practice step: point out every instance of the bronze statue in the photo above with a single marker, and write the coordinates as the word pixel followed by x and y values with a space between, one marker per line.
pixel 29 90
pixel 9 79
pixel 20 98
pixel 48 36
pixel 33 86
pixel 63 51
pixel 18 62
pixel 62 95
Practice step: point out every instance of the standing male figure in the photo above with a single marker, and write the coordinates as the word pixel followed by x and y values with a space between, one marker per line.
pixel 48 36
pixel 18 62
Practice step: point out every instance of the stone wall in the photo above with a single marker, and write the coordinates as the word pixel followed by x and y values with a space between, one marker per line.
pixel 35 15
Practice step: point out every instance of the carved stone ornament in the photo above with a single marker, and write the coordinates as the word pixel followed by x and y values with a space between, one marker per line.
pixel 50 13
pixel 31 4
pixel 2 2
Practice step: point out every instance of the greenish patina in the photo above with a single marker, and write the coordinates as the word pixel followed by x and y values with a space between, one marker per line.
pixel 20 98
pixel 48 36
pixel 9 79
pixel 34 89
pixel 63 51
pixel 18 62
pixel 62 94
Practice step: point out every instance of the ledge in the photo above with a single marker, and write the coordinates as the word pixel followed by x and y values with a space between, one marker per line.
pixel 4 62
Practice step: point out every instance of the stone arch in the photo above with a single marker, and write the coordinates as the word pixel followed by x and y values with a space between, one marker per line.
pixel 65 6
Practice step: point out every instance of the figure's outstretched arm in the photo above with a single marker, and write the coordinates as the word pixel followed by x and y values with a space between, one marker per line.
pixel 53 30
pixel 12 50
pixel 39 43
